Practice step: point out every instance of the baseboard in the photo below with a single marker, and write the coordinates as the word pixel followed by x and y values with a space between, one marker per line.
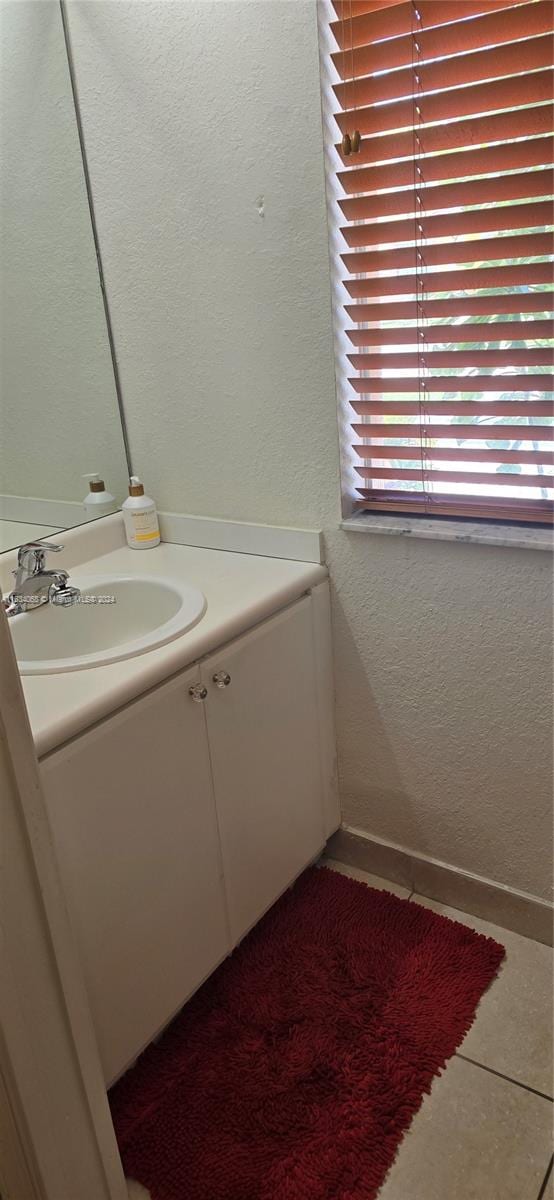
pixel 508 907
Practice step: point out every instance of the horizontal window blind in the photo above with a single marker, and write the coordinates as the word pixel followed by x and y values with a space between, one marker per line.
pixel 447 183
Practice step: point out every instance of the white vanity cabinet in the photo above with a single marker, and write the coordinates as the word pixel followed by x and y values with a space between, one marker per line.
pixel 180 819
pixel 263 730
pixel 132 812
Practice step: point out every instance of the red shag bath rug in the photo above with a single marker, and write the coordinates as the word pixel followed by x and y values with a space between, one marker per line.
pixel 296 1069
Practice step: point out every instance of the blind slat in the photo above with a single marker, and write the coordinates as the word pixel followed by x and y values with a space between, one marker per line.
pixel 462 104
pixel 438 254
pixel 458 306
pixel 353 8
pixel 513 156
pixel 455 383
pixel 492 508
pixel 457 408
pixel 359 29
pixel 482 478
pixel 530 55
pixel 509 357
pixel 480 220
pixel 491 331
pixel 456 454
pixel 456 37
pixel 503 433
pixel 521 186
pixel 469 278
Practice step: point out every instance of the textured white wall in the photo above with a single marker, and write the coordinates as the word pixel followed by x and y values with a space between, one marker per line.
pixel 444 679
pixel 58 410
pixel 193 111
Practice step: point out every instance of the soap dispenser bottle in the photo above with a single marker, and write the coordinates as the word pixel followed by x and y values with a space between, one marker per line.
pixel 140 517
pixel 98 502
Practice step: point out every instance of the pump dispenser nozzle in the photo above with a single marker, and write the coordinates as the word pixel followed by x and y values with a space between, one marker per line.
pixel 96 484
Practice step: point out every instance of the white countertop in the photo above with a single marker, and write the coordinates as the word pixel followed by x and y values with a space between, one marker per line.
pixel 241 590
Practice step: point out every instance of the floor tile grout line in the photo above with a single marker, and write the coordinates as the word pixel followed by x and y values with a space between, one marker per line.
pixel 509 1079
pixel 546 1179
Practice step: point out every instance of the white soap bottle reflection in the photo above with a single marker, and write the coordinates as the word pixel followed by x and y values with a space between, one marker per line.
pixel 98 502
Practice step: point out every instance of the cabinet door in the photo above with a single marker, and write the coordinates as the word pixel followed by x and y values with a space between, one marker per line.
pixel 263 735
pixel 133 818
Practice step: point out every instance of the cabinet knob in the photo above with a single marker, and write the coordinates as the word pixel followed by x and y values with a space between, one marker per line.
pixel 221 679
pixel 198 692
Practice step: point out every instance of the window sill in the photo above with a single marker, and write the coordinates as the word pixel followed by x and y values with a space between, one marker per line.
pixel 518 537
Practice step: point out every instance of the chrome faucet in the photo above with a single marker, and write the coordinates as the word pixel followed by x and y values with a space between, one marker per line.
pixel 35 586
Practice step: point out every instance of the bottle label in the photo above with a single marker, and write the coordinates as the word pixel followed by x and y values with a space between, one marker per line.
pixel 145 526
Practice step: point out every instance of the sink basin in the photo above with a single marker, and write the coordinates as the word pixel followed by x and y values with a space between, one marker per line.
pixel 117 617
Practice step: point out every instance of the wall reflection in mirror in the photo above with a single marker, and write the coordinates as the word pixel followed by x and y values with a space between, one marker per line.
pixel 59 415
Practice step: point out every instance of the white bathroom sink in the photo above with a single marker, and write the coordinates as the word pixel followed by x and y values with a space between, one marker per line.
pixel 117 617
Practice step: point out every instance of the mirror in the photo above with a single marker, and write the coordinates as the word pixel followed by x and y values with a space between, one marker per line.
pixel 59 412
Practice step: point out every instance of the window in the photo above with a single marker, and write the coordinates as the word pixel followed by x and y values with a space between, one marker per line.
pixel 445 211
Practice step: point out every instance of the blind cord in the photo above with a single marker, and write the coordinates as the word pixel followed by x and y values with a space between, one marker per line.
pixel 350 141
pixel 420 265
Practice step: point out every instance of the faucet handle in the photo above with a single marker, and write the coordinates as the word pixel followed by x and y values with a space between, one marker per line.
pixel 53 547
pixel 32 556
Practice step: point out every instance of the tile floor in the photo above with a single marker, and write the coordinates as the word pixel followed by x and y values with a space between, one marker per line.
pixel 485 1132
